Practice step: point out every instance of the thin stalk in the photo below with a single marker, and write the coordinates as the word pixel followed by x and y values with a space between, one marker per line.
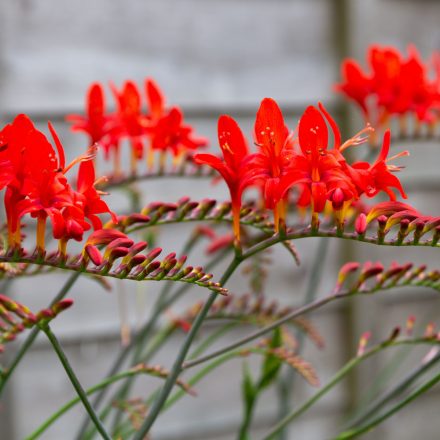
pixel 302 310
pixel 243 433
pixel 192 381
pixel 345 370
pixel 75 382
pixel 34 333
pixel 395 391
pixel 195 379
pixel 199 376
pixel 211 339
pixel 285 391
pixel 162 303
pixel 177 367
pixel 61 411
pixel 354 433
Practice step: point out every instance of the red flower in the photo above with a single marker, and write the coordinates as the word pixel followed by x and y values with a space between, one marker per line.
pixel 166 128
pixel 35 170
pixel 371 179
pixel 356 85
pixel 131 122
pixel 395 86
pixel 40 187
pixel 88 198
pixel 155 100
pixel 322 174
pixel 96 123
pixel 233 166
pixel 169 133
pixel 272 166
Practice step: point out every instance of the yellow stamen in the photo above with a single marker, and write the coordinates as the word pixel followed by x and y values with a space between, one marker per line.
pixel 100 180
pixel 150 159
pixel 315 220
pixel 341 214
pixel 417 127
pixel 11 240
pixel 177 160
pixel 162 160
pixel 280 215
pixel 396 156
pixel 432 127
pixel 41 232
pixel 17 236
pixel 358 138
pixel 133 163
pixel 403 125
pixel 117 162
pixel 236 221
pixel 88 155
pixel 62 246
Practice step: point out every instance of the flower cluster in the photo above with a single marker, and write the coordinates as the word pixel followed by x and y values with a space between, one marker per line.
pixel 34 175
pixel 306 161
pixel 395 86
pixel 16 317
pixel 162 127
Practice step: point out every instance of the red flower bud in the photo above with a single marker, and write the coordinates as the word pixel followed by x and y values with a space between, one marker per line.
pixel 360 225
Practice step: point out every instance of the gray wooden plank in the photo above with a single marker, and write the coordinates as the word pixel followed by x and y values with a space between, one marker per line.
pixel 227 52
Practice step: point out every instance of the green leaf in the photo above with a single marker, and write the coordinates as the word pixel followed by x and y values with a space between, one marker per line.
pixel 272 364
pixel 248 388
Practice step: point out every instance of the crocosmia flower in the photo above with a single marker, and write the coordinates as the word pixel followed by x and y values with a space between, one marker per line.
pixel 313 162
pixel 395 86
pixel 130 122
pixel 39 185
pixel 322 169
pixel 158 127
pixel 232 167
pixel 272 164
pixel 95 123
pixel 171 134
pixel 371 179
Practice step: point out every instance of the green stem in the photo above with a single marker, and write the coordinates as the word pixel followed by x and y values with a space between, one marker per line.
pixel 177 367
pixel 192 381
pixel 285 391
pixel 199 376
pixel 335 380
pixel 75 382
pixel 395 391
pixel 162 303
pixel 243 433
pixel 34 333
pixel 200 349
pixel 212 338
pixel 354 433
pixel 302 310
pixel 61 411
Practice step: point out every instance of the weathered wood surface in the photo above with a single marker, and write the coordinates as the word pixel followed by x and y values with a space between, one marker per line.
pixel 202 52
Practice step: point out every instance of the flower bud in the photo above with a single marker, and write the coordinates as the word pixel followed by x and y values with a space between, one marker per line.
pixel 360 225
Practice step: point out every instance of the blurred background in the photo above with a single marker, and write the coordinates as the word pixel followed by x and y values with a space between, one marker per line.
pixel 213 57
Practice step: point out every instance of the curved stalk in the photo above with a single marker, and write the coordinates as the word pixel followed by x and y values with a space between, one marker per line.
pixel 161 304
pixel 177 367
pixel 314 279
pixel 335 380
pixel 75 382
pixel 395 391
pixel 302 310
pixel 65 408
pixel 34 333
pixel 354 433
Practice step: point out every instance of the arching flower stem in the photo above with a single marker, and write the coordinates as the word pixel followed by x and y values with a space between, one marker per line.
pixel 75 382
